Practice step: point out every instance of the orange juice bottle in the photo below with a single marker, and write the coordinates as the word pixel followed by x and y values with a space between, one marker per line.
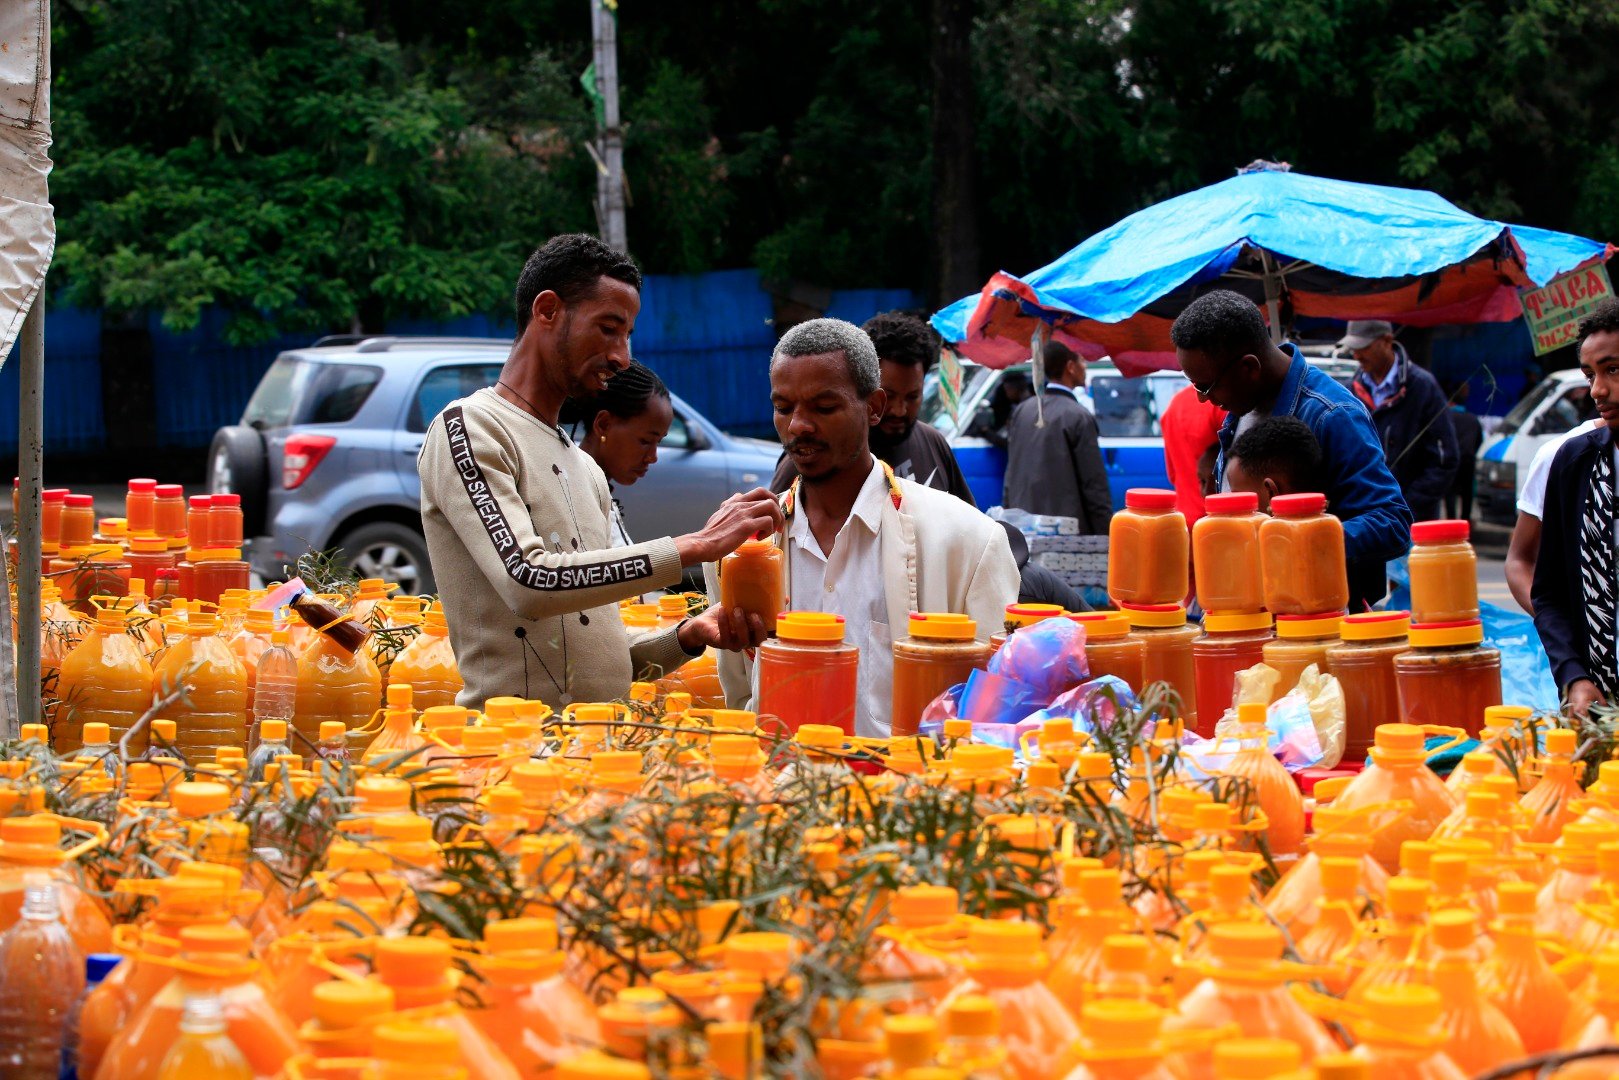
pixel 1335 940
pixel 204 1050
pixel 31 850
pixel 941 650
pixel 1271 785
pixel 1111 648
pixel 1228 644
pixel 417 970
pixel 1399 773
pixel 1478 1036
pixel 1519 980
pixel 105 679
pixel 1150 550
pixel 1302 557
pixel 1005 963
pixel 1444 573
pixel 335 684
pixel 420 1050
pixel 922 977
pixel 427 664
pixel 751 579
pixel 1121 1040
pixel 807 672
pixel 1549 805
pixel 1166 641
pixel 214 711
pixel 1301 640
pixel 1225 555
pixel 1400 1037
pixel 531 1011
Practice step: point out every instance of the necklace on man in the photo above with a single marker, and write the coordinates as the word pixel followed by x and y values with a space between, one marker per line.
pixel 532 408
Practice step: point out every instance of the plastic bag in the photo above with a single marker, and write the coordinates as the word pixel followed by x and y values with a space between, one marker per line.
pixel 1092 706
pixel 1328 712
pixel 1048 656
pixel 1304 727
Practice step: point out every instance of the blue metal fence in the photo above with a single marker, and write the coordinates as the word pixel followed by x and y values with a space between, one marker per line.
pixel 73 420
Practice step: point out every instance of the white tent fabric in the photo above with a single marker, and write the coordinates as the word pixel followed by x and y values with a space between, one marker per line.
pixel 27 222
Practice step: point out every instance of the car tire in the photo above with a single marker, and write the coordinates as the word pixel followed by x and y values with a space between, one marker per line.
pixel 391 551
pixel 237 464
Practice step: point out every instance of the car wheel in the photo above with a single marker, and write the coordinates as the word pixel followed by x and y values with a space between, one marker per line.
pixel 393 552
pixel 236 463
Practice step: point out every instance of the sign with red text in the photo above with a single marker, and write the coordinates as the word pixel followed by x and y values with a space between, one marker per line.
pixel 1554 311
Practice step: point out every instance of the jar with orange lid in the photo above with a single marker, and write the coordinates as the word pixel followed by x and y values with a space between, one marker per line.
pixel 1301 640
pixel 941 650
pixel 1301 554
pixel 1112 648
pixel 751 578
pixel 1363 664
pixel 1444 573
pixel 1020 615
pixel 807 672
pixel 1448 676
pixel 1225 555
pixel 1149 550
pixel 1228 644
pixel 1166 641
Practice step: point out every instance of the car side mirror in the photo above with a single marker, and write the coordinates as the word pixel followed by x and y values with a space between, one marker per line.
pixel 696 439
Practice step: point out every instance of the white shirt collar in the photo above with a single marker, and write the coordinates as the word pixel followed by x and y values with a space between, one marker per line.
pixel 867 508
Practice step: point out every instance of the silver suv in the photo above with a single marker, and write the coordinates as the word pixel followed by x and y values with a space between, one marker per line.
pixel 325 455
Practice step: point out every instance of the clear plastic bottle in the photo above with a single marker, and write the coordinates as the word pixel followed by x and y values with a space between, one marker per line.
pixel 204 1051
pixel 41 981
pixel 97 750
pixel 275 688
pixel 333 746
pixel 272 743
pixel 972 1038
pixel 97 966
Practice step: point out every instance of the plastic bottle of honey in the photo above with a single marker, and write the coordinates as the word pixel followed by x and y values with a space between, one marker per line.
pixel 1228 644
pixel 90 570
pixel 78 521
pixel 214 711
pixel 1020 615
pixel 1225 554
pixel 427 664
pixel 1302 557
pixel 105 679
pixel 1166 639
pixel 1301 640
pixel 941 651
pixel 140 505
pixel 215 570
pixel 1448 677
pixel 1111 648
pixel 807 672
pixel 751 579
pixel 169 515
pixel 1399 774
pixel 1149 550
pixel 51 503
pixel 1363 664
pixel 1444 573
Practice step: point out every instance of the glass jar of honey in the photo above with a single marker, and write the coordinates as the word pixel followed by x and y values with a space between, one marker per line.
pixel 807 673
pixel 1448 676
pixel 90 570
pixel 1225 555
pixel 1148 550
pixel 1111 648
pixel 214 570
pixel 1363 664
pixel 1301 552
pixel 1020 615
pixel 1166 641
pixel 51 503
pixel 169 515
pixel 1301 640
pixel 941 651
pixel 1444 573
pixel 1228 644
pixel 751 579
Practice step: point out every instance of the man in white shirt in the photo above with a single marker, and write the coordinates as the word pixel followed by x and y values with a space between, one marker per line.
pixel 1524 549
pixel 860 542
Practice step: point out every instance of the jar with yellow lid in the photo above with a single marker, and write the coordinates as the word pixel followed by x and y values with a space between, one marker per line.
pixel 941 650
pixel 1448 677
pixel 1111 648
pixel 807 672
pixel 1301 640
pixel 1020 615
pixel 1166 642
pixel 1363 664
pixel 90 570
pixel 1228 644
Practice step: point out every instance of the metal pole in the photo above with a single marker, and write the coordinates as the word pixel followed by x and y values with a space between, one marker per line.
pixel 30 470
pixel 610 182
pixel 1273 296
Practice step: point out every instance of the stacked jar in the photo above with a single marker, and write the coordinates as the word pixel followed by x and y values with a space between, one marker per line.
pixel 1166 643
pixel 1112 648
pixel 1301 641
pixel 1148 577
pixel 941 651
pixel 1020 615
pixel 1449 676
pixel 1231 591
pixel 1301 555
pixel 1363 664
pixel 218 565
pixel 808 673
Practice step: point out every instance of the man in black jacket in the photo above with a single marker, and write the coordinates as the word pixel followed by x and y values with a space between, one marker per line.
pixel 1056 468
pixel 1411 414
pixel 1576 590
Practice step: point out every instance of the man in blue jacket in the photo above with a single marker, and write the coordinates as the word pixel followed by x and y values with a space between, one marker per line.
pixel 1411 414
pixel 1576 579
pixel 1226 352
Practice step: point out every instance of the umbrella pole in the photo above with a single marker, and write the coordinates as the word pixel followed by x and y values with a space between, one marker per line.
pixel 30 469
pixel 1273 296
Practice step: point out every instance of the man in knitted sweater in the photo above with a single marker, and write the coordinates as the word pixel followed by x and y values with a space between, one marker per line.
pixel 517 517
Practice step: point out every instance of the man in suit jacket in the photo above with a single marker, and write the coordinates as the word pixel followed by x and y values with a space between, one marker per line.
pixel 1576 589
pixel 1056 468
pixel 859 541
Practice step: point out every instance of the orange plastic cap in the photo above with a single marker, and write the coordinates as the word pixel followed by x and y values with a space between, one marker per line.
pixel 441 716
pixel 923 905
pixel 96 732
pixel 1562 741
pixel 340 1004
pixel 942 626
pixel 1256 1059
pixel 1340 878
pixel 224 938
pixel 989 939
pixel 1301 627
pixel 399 695
pixel 1121 1023
pixel 1408 896
pixel 1407 1009
pixel 1415 855
pixel 520 935
pixel 1398 739
pixel 1095 766
pixel 418 1044
pixel 1236 623
pixel 412 961
pixel 381 794
pixel 1100 890
pixel 1247 941
pixel 769 956
pixel 333 730
pixel 1454 928
pixel 1155 616
pixel 815 626
pixel 1516 898
pixel 411 828
pixel 272 731
pixel 1375 626
pixel 199 798
pixel 821 735
pixel 1229 885
pixel 1341 1067
pixel 1126 953
pixel 501 709
pixel 617 766
pixel 910 1040
pixel 972 1016
pixel 483 740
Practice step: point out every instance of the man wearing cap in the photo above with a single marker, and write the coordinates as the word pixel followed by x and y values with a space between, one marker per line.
pixel 1411 414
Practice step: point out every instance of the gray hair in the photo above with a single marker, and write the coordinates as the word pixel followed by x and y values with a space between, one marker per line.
pixel 821 336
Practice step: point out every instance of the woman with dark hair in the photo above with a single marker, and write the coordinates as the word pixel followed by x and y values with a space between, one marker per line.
pixel 620 428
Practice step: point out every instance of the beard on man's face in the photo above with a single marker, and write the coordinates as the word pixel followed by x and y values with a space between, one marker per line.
pixel 884 439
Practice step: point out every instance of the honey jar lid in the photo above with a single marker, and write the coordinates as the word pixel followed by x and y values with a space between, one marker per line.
pixel 943 626
pixel 1154 616
pixel 809 626
pixel 1232 502
pixel 1440 532
pixel 1294 627
pixel 1235 623
pixel 1103 625
pixel 1375 626
pixel 1029 614
pixel 1304 504
pixel 1441 635
pixel 1149 499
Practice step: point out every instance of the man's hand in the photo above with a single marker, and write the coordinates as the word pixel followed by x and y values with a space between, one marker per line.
pixel 720 628
pixel 752 513
pixel 1582 694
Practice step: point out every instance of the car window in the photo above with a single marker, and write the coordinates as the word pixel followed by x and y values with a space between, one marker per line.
pixel 335 392
pixel 1124 407
pixel 443 385
pixel 272 403
pixel 1521 412
pixel 1568 412
pixel 974 378
pixel 679 436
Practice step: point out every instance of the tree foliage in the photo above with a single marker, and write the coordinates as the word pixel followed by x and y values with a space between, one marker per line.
pixel 320 164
